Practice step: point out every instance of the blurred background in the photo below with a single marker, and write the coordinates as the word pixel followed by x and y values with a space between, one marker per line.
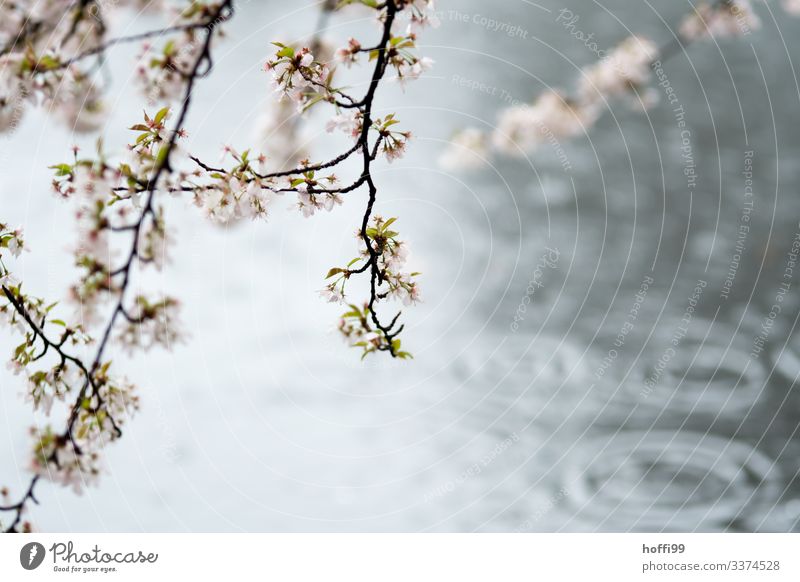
pixel 584 355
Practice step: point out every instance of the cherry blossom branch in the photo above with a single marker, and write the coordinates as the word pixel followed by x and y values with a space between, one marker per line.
pixel 307 81
pixel 376 275
pixel 624 72
pixel 71 456
pixel 90 390
pixel 102 48
pixel 30 28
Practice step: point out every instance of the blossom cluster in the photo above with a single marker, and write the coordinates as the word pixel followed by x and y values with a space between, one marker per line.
pixel 624 72
pixel 38 40
pixel 296 74
pixel 55 380
pixel 11 241
pixel 163 71
pixel 231 195
pixel 357 327
pixel 390 254
pixel 151 323
pixel 107 196
pixel 41 46
pixel 70 458
pixel 407 65
pixel 73 459
pixel 44 43
pixel 722 19
pixel 791 6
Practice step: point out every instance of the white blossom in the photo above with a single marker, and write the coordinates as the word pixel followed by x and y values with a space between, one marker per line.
pixel 791 6
pixel 624 70
pixel 729 18
pixel 467 149
pixel 350 121
pixel 523 128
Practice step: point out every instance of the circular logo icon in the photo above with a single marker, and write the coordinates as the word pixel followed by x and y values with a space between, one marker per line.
pixel 31 555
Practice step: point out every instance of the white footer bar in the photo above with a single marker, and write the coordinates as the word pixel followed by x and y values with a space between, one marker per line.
pixel 401 557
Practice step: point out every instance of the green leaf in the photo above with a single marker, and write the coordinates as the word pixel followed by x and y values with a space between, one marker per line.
pixel 161 115
pixel 162 155
pixel 334 271
pixel 62 169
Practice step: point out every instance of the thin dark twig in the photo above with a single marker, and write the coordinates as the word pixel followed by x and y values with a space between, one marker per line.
pixel 224 12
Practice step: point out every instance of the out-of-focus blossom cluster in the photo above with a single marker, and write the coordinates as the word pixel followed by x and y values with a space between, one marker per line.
pixel 720 19
pixel 468 148
pixel 624 72
pixel 61 460
pixel 38 39
pixel 73 459
pixel 108 197
pixel 522 128
pixel 791 6
pixel 47 48
pixel 53 373
pixel 151 323
pixel 163 71
pixel 48 379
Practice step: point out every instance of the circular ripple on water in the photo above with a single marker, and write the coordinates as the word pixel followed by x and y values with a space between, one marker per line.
pixel 546 379
pixel 708 371
pixel 787 359
pixel 666 481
